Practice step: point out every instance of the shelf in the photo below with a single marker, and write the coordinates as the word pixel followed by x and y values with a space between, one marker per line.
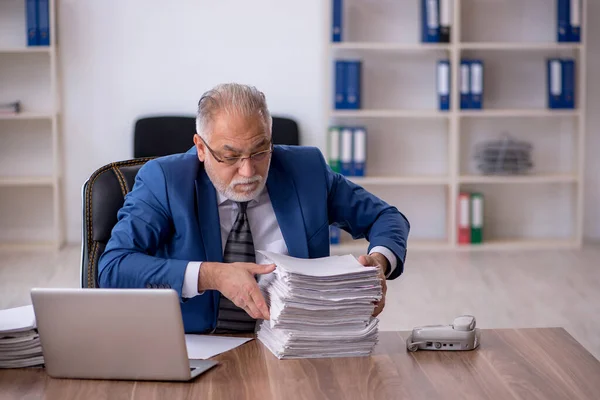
pixel 27 116
pixel 519 113
pixel 528 179
pixel 519 46
pixel 521 244
pixel 28 246
pixel 27 181
pixel 419 158
pixel 389 114
pixel 361 246
pixel 400 180
pixel 32 49
pixel 399 47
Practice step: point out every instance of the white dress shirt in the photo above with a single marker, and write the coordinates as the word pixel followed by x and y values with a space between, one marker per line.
pixel 266 235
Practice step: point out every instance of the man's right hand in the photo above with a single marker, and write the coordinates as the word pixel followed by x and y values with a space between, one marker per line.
pixel 237 282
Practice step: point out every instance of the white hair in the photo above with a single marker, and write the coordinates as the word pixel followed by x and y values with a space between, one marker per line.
pixel 231 99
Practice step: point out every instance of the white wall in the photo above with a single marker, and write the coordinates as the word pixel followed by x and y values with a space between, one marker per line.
pixel 124 59
pixel 592 168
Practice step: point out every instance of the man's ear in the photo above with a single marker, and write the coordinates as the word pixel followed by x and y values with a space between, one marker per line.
pixel 200 147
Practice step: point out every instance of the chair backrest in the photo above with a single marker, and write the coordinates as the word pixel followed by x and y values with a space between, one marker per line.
pixel 103 196
pixel 163 135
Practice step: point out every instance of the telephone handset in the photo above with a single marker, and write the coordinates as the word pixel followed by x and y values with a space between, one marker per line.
pixel 460 335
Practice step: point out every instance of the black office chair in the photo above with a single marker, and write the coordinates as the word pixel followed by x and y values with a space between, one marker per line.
pixel 163 135
pixel 104 192
pixel 103 195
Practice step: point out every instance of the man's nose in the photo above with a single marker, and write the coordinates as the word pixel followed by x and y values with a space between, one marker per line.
pixel 246 168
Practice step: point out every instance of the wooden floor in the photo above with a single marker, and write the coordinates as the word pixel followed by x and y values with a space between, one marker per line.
pixel 502 289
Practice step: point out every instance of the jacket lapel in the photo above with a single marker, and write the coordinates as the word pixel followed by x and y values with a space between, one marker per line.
pixel 208 217
pixel 284 199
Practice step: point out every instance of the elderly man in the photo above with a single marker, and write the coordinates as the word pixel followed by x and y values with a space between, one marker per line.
pixel 193 221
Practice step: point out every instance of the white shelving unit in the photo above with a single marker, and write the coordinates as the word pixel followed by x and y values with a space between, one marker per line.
pixel 30 167
pixel 541 210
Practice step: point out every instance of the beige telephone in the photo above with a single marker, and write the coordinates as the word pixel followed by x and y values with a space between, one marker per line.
pixel 460 335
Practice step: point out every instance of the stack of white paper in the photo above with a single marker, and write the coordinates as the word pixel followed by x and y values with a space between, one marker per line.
pixel 320 307
pixel 19 341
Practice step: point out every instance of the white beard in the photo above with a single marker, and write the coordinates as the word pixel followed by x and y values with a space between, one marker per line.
pixel 229 191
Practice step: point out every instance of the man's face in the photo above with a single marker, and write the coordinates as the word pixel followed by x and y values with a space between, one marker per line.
pixel 236 136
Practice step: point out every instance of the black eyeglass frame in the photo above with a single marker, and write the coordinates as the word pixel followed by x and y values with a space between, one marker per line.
pixel 234 160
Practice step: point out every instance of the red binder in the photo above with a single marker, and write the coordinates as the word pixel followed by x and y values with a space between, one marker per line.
pixel 463 220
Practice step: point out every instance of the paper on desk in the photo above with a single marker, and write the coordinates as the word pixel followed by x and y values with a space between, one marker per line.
pixel 326 267
pixel 201 347
pixel 18 319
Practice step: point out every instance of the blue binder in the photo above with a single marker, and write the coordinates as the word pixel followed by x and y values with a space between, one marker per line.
pixel 562 20
pixel 44 22
pixel 32 25
pixel 334 234
pixel 555 83
pixel 336 33
pixel 568 83
pixel 445 20
pixel 465 84
pixel 353 84
pixel 476 67
pixel 575 21
pixel 443 84
pixel 340 85
pixel 430 21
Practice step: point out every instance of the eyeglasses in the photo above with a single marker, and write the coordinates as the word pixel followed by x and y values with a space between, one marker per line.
pixel 258 156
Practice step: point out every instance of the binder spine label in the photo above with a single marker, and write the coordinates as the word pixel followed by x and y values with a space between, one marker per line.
pixel 477 212
pixel 443 81
pixel 476 84
pixel 346 154
pixel 360 151
pixel 432 15
pixel 334 149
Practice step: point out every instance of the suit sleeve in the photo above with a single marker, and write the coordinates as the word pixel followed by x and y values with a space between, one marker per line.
pixel 143 224
pixel 363 215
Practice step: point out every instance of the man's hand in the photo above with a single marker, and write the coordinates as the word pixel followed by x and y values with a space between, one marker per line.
pixel 380 261
pixel 237 282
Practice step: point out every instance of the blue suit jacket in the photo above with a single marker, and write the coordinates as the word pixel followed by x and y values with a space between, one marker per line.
pixel 171 218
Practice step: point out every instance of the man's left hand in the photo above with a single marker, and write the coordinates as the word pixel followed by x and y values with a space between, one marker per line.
pixel 380 261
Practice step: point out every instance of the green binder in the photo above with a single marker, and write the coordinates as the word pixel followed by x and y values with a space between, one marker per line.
pixel 333 149
pixel 476 218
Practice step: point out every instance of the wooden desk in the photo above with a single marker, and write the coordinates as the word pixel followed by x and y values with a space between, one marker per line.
pixel 509 364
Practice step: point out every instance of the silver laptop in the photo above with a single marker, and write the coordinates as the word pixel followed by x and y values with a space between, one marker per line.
pixel 120 334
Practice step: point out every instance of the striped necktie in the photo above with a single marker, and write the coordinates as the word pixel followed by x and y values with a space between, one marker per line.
pixel 239 248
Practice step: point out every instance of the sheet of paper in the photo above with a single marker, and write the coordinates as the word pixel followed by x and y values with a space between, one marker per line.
pixel 201 347
pixel 323 267
pixel 320 307
pixel 17 319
